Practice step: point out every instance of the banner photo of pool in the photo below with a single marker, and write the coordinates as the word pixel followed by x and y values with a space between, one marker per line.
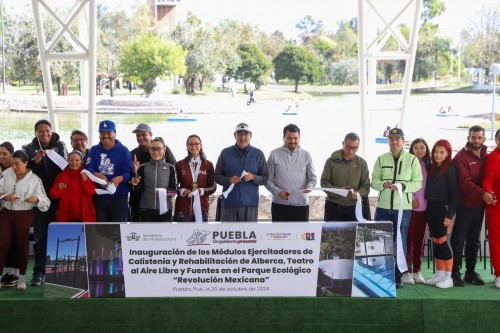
pixel 102 260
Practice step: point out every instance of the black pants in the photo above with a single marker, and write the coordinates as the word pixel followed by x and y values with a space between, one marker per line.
pixel 287 213
pixel 151 215
pixel 336 212
pixel 467 228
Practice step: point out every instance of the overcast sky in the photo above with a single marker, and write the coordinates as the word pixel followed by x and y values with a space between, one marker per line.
pixel 283 15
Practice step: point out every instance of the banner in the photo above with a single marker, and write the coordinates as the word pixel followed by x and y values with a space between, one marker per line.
pixel 220 260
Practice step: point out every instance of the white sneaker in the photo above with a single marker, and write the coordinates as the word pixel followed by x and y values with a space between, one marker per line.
pixel 21 285
pixel 418 278
pixel 446 282
pixel 407 278
pixel 434 280
pixel 497 281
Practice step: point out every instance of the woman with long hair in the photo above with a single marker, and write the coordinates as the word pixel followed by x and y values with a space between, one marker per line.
pixel 74 190
pixel 155 182
pixel 21 192
pixel 195 173
pixel 418 221
pixel 442 196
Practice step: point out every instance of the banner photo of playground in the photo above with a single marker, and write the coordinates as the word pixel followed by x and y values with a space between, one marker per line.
pixel 220 260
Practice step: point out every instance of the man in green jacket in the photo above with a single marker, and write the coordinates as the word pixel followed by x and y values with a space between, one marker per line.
pixel 345 170
pixel 396 167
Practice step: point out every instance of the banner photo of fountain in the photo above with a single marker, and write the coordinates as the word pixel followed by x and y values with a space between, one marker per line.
pixel 102 260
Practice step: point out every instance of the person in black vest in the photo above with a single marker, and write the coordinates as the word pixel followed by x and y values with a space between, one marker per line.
pixel 141 155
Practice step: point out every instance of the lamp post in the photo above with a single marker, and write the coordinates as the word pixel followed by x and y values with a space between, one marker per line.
pixel 494 71
pixel 3 49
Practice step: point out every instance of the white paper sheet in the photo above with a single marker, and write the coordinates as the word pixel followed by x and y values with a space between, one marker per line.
pixel 162 196
pixel 196 206
pixel 230 188
pixel 342 192
pixel 56 158
pixel 110 187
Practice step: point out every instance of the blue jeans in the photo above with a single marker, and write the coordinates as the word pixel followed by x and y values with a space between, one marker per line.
pixel 382 214
pixel 111 209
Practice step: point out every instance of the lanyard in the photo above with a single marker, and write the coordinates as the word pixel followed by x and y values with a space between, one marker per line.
pixel 195 171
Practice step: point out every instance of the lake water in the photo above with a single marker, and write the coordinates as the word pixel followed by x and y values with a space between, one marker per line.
pixel 323 123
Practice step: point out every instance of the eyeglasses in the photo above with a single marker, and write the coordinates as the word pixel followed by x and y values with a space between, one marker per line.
pixel 195 144
pixel 156 148
pixel 351 148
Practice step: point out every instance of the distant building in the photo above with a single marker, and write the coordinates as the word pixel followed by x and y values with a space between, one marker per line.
pixel 164 11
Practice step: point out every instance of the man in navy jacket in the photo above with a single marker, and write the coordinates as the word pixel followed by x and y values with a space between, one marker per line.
pixel 243 167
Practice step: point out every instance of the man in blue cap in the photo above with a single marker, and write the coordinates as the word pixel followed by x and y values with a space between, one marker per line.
pixel 111 161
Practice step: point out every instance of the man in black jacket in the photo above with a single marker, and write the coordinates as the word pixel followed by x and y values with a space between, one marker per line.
pixel 45 168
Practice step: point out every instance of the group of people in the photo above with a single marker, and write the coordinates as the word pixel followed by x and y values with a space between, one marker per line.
pixel 43 183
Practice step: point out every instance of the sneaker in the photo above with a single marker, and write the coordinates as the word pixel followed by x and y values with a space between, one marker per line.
pixel 457 279
pixel 37 280
pixel 399 283
pixel 446 282
pixel 9 280
pixel 497 281
pixel 434 280
pixel 474 278
pixel 418 278
pixel 21 285
pixel 407 278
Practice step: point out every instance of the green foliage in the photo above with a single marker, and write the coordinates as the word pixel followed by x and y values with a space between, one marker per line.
pixel 210 52
pixel 433 8
pixel 343 72
pixel 148 57
pixel 297 64
pixel 254 64
pixel 481 40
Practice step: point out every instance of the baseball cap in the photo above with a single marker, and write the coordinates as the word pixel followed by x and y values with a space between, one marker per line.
pixel 143 128
pixel 242 127
pixel 396 131
pixel 107 126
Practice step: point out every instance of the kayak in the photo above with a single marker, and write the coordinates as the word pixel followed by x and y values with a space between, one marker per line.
pixel 177 119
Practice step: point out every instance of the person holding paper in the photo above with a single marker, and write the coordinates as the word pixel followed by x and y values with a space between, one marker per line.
pixel 110 161
pixel 240 170
pixel 156 184
pixel 194 173
pixel 291 177
pixel 443 197
pixel 21 191
pixel 396 175
pixel 47 156
pixel 344 169
pixel 74 190
pixel 141 155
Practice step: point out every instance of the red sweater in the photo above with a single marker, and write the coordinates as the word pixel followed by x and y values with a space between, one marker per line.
pixel 206 181
pixel 470 176
pixel 75 202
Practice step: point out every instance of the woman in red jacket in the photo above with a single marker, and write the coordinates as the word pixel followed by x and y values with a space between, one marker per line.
pixel 74 191
pixel 194 173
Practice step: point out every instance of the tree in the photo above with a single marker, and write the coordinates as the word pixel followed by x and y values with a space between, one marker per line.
pixel 343 72
pixel 22 48
pixel 297 64
pixel 309 26
pixel 433 53
pixel 209 52
pixel 254 65
pixel 432 8
pixel 148 57
pixel 482 38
